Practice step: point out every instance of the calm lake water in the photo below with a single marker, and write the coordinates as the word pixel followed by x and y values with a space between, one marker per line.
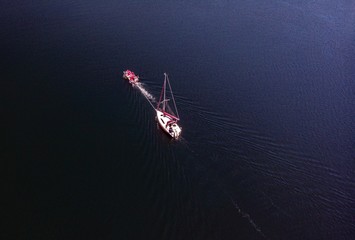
pixel 265 91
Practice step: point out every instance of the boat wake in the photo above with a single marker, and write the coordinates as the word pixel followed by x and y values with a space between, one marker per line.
pixel 151 99
pixel 247 216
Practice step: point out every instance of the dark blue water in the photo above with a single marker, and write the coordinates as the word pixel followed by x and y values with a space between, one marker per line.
pixel 265 90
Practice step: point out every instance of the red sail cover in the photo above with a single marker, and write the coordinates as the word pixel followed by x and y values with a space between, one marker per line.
pixel 172 116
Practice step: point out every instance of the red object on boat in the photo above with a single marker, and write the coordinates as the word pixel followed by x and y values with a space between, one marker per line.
pixel 130 76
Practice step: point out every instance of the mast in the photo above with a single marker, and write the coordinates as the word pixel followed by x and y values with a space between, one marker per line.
pixel 161 99
pixel 172 96
pixel 164 92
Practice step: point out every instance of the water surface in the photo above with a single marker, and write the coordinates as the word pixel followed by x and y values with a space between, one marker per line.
pixel 265 94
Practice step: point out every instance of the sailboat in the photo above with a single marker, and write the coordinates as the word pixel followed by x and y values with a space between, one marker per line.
pixel 166 117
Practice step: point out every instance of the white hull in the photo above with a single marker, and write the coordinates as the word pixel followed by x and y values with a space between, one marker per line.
pixel 172 129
